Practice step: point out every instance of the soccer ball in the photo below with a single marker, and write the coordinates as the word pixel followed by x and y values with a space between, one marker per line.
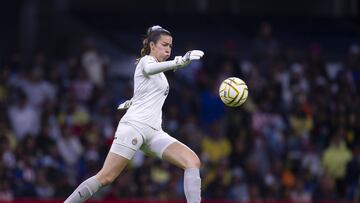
pixel 233 92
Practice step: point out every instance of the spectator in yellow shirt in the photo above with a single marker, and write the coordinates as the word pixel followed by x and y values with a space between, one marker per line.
pixel 336 157
pixel 216 146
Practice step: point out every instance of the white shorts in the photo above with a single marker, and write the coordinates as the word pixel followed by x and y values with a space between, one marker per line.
pixel 129 137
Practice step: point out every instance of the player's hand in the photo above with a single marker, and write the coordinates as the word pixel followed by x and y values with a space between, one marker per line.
pixel 125 105
pixel 188 57
pixel 193 55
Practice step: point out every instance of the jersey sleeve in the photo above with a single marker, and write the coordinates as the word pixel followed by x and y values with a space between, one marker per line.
pixel 151 66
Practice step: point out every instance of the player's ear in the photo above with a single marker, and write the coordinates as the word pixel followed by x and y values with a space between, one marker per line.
pixel 152 45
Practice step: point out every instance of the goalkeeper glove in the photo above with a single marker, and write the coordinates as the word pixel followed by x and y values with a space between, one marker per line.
pixel 125 105
pixel 185 60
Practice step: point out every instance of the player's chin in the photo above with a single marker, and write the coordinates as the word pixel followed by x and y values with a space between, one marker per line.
pixel 166 57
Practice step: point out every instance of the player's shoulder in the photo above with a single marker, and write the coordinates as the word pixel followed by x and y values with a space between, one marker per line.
pixel 147 59
pixel 144 61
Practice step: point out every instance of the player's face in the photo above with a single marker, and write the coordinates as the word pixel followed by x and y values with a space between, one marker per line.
pixel 161 50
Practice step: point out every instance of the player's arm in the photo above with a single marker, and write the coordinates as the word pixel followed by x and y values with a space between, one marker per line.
pixel 153 67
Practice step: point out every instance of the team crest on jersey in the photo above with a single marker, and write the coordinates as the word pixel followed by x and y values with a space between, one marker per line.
pixel 166 91
pixel 134 141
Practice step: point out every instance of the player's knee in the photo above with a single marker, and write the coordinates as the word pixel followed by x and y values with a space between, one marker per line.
pixel 197 162
pixel 193 162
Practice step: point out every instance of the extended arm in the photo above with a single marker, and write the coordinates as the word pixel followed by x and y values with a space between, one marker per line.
pixel 158 67
pixel 178 62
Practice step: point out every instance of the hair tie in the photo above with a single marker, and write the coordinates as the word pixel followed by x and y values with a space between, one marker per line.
pixel 156 27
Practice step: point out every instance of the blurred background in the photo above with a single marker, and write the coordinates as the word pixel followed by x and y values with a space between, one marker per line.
pixel 66 65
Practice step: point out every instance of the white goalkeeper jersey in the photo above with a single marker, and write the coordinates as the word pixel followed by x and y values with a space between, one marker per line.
pixel 150 92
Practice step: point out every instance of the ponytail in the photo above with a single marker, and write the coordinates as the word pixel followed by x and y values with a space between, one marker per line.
pixel 146 47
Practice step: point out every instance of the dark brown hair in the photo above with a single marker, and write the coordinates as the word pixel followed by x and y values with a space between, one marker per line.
pixel 153 34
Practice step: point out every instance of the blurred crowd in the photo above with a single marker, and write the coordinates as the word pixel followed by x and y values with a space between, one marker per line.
pixel 296 137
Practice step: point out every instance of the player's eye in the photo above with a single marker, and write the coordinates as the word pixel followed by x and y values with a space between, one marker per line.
pixel 167 45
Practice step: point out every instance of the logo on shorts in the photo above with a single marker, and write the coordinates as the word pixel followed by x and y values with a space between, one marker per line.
pixel 134 141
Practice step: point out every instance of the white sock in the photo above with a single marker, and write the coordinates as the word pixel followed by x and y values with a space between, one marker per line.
pixel 192 185
pixel 84 191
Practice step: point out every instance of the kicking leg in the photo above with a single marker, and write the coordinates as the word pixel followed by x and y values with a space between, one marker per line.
pixel 183 157
pixel 113 166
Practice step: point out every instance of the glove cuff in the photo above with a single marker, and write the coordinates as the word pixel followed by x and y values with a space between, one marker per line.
pixel 178 60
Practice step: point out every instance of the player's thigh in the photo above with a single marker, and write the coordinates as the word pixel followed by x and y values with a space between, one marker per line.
pixel 182 156
pixel 158 141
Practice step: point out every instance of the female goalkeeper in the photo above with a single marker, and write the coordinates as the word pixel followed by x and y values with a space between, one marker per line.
pixel 142 121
